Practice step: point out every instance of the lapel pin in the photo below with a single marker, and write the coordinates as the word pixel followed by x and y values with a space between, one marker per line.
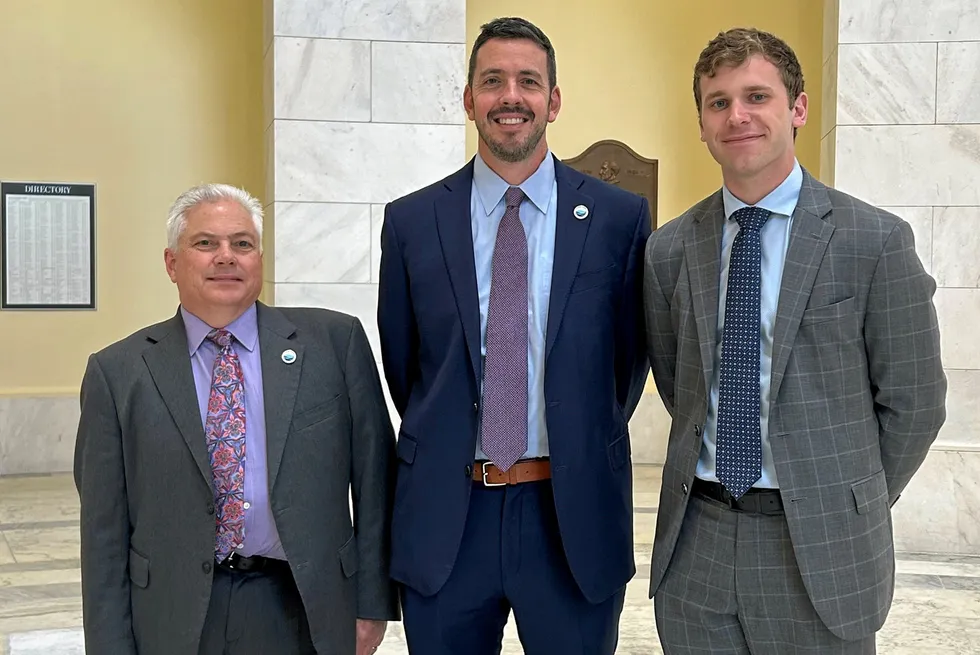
pixel 581 212
pixel 289 356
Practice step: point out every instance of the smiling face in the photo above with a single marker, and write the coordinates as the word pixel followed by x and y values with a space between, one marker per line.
pixel 747 122
pixel 217 266
pixel 509 100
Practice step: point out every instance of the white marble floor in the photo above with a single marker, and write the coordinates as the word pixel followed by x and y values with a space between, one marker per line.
pixel 936 610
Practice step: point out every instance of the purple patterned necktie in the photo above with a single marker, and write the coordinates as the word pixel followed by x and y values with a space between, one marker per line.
pixel 225 433
pixel 504 424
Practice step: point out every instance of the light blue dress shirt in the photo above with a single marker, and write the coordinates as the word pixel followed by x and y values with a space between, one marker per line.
pixel 538 215
pixel 775 241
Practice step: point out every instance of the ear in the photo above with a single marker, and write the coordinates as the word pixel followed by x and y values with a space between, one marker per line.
pixel 701 128
pixel 468 102
pixel 800 111
pixel 554 104
pixel 170 261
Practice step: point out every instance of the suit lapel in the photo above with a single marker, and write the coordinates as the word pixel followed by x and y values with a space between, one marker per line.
pixel 456 238
pixel 280 381
pixel 703 255
pixel 570 234
pixel 170 367
pixel 808 241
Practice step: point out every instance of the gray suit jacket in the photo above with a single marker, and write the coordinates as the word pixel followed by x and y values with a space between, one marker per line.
pixel 144 479
pixel 858 390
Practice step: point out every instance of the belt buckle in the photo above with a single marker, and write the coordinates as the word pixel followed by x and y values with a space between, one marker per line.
pixel 486 482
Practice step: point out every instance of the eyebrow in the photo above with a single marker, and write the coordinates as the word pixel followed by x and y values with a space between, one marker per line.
pixel 499 71
pixel 212 235
pixel 749 89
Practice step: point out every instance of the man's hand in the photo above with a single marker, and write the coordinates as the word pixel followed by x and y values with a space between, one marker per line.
pixel 369 635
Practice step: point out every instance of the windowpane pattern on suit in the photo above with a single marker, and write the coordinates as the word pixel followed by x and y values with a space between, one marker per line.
pixel 505 395
pixel 739 441
pixel 225 433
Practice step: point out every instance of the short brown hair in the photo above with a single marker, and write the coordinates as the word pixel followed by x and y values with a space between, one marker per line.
pixel 736 46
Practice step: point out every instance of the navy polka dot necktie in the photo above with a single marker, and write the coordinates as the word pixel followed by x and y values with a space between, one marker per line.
pixel 739 437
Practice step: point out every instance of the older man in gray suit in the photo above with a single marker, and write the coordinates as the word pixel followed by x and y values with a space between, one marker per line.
pixel 794 340
pixel 217 454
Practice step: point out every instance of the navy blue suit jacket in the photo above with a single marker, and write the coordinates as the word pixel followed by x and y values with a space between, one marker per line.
pixel 595 369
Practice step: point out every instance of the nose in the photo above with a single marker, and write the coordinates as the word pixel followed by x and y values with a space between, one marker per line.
pixel 511 93
pixel 738 113
pixel 225 254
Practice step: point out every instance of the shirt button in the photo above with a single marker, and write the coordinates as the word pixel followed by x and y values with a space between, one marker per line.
pixel 247 505
pixel 240 546
pixel 206 567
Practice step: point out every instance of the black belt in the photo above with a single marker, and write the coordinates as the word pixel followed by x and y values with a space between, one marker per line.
pixel 755 501
pixel 236 562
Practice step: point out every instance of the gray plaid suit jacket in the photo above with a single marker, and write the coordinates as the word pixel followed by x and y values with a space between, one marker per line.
pixel 858 390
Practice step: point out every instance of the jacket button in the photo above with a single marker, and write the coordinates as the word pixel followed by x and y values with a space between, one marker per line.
pixel 468 471
pixel 206 567
pixel 684 488
pixel 476 407
pixel 697 430
pixel 210 508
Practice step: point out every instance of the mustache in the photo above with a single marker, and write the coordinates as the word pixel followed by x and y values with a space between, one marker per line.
pixel 520 111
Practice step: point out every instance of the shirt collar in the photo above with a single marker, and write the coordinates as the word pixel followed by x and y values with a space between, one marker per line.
pixel 245 329
pixel 491 187
pixel 781 200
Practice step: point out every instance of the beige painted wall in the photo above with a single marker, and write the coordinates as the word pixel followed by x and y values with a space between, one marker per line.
pixel 144 98
pixel 625 70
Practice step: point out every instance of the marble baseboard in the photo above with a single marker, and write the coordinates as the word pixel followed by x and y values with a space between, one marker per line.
pixel 440 21
pixel 37 434
pixel 920 165
pixel 908 97
pixel 884 21
pixel 939 511
pixel 361 162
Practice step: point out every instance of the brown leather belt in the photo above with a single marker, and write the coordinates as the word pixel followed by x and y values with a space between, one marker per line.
pixel 527 470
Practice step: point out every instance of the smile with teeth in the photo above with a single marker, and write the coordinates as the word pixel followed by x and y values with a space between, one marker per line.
pixel 517 120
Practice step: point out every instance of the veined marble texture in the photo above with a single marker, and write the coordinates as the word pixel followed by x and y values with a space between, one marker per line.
pixel 321 79
pixel 959 316
pixel 956 239
pixel 442 21
pixel 418 83
pixel 886 84
pixel 958 89
pixel 322 242
pixel 919 165
pixel 881 21
pixel 361 162
pixel 37 433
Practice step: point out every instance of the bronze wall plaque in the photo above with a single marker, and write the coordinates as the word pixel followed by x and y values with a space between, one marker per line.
pixel 616 163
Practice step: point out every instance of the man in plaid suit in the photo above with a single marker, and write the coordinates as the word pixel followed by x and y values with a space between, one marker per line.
pixel 794 340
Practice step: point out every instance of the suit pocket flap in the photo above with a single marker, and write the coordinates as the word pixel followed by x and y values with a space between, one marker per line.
pixel 348 557
pixel 307 417
pixel 824 313
pixel 405 449
pixel 139 569
pixel 591 279
pixel 869 492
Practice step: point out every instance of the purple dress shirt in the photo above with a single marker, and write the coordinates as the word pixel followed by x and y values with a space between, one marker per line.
pixel 261 536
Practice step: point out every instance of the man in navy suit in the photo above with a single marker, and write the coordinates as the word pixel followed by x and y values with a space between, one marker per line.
pixel 511 324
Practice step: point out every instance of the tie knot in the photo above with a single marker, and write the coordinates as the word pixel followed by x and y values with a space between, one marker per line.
pixel 751 218
pixel 514 197
pixel 220 337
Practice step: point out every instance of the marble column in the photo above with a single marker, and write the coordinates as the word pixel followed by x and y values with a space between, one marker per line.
pixel 901 130
pixel 363 105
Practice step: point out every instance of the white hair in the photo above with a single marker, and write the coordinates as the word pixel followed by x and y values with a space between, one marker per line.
pixel 204 193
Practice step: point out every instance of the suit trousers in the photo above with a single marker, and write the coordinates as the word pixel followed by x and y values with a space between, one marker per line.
pixel 255 613
pixel 733 587
pixel 511 557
